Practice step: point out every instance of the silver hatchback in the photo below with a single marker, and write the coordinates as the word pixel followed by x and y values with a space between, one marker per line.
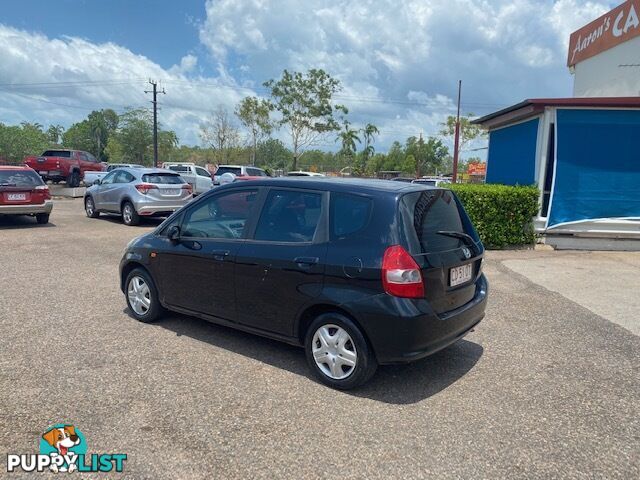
pixel 136 192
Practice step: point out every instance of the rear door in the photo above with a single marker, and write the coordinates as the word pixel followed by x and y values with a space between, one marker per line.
pixel 444 243
pixel 280 268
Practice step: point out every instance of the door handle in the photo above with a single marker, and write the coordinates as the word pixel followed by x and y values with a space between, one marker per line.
pixel 306 262
pixel 220 255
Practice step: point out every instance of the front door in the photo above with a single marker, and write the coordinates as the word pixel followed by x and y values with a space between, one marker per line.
pixel 280 268
pixel 198 270
pixel 103 196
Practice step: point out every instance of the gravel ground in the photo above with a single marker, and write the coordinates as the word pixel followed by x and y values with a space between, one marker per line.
pixel 544 388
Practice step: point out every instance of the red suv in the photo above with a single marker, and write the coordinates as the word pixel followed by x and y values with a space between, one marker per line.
pixel 22 192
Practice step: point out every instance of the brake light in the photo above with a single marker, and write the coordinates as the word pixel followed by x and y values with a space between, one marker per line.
pixel 187 186
pixel 401 276
pixel 145 187
pixel 45 191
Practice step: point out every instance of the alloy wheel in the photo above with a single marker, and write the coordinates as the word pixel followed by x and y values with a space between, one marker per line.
pixel 89 206
pixel 334 351
pixel 127 214
pixel 139 295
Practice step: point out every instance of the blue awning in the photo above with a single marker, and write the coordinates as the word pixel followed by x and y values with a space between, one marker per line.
pixel 512 154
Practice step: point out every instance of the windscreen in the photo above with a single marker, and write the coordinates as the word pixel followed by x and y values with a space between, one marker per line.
pixel 19 178
pixel 162 178
pixel 432 220
pixel 57 153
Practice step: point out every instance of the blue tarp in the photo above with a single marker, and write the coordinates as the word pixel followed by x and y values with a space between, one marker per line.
pixel 598 165
pixel 512 154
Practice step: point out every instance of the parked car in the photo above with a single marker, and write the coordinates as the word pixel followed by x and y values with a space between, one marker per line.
pixel 301 173
pixel 64 165
pixel 238 171
pixel 136 192
pixel 91 177
pixel 23 192
pixel 432 181
pixel 199 178
pixel 358 272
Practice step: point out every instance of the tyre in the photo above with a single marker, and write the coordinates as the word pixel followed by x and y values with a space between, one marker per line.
pixel 129 214
pixel 338 353
pixel 73 180
pixel 90 208
pixel 142 296
pixel 42 218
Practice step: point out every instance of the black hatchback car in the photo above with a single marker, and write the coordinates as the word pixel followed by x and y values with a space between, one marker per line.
pixel 358 272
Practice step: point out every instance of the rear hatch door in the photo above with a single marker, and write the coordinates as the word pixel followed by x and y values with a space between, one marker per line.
pixel 170 186
pixel 444 243
pixel 21 187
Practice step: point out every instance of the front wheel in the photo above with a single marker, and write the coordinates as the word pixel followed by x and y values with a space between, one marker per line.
pixel 338 353
pixel 129 214
pixel 142 296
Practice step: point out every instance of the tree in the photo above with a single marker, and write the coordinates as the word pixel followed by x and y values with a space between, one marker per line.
pixel 134 136
pixel 273 154
pixel 220 133
pixel 468 131
pixel 304 101
pixel 254 115
pixel 348 138
pixel 92 134
pixel 18 141
pixel 368 135
pixel 428 155
pixel 167 144
pixel 395 157
pixel 54 133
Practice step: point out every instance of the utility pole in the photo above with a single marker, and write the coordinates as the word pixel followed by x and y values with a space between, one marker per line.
pixel 456 143
pixel 155 118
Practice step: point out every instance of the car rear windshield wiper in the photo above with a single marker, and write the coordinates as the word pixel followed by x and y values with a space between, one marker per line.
pixel 8 185
pixel 468 239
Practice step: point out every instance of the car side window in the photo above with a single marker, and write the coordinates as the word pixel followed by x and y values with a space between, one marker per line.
pixel 202 172
pixel 289 216
pixel 122 176
pixel 349 213
pixel 220 216
pixel 108 179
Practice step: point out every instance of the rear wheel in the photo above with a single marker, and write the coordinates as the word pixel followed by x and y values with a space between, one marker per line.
pixel 338 353
pixel 129 214
pixel 73 180
pixel 90 208
pixel 142 296
pixel 42 218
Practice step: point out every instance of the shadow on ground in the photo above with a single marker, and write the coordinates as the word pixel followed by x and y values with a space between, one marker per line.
pixel 144 221
pixel 395 384
pixel 8 222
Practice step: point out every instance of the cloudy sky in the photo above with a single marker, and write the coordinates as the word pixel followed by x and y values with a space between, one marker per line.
pixel 399 60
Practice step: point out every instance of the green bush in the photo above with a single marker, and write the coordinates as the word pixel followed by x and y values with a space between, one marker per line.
pixel 502 214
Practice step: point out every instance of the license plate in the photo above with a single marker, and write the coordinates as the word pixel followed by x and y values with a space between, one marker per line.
pixel 170 191
pixel 461 274
pixel 43 172
pixel 16 196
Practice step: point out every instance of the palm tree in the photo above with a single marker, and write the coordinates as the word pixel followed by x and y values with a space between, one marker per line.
pixel 348 138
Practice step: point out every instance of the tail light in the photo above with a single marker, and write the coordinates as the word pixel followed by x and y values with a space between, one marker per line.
pixel 401 276
pixel 44 190
pixel 145 187
pixel 188 188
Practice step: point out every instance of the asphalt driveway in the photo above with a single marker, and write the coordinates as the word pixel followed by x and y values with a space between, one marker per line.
pixel 546 387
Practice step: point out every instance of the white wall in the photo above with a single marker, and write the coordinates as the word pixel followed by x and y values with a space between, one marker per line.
pixel 602 76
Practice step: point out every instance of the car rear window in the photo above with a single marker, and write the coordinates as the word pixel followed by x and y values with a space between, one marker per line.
pixel 19 178
pixel 234 170
pixel 57 153
pixel 349 213
pixel 426 213
pixel 162 178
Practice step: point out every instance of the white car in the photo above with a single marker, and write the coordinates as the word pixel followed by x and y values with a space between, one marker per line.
pixel 300 173
pixel 199 178
pixel 238 171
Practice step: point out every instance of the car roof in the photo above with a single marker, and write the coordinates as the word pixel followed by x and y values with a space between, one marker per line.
pixel 15 167
pixel 337 184
pixel 146 170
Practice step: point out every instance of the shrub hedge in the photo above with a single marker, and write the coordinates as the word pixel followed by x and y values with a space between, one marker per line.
pixel 502 214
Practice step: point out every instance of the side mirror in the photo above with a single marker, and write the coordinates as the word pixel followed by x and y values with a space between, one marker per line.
pixel 97 181
pixel 174 234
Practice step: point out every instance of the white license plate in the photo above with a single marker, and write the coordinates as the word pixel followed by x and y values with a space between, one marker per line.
pixel 170 191
pixel 16 196
pixel 461 274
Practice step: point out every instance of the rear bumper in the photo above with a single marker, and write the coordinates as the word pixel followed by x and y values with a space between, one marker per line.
pixel 404 330
pixel 152 209
pixel 45 207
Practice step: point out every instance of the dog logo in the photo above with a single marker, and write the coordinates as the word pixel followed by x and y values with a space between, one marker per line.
pixel 62 438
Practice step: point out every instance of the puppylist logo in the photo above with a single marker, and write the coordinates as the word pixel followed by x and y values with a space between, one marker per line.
pixel 63 448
